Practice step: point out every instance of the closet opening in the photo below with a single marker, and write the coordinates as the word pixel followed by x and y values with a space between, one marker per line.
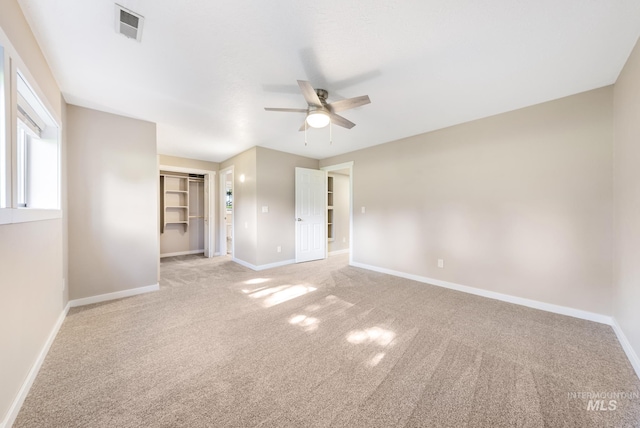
pixel 185 213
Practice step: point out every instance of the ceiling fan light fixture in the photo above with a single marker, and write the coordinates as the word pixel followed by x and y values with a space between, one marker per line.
pixel 318 119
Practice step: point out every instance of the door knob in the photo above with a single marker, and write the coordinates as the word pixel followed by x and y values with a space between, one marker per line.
pixel 299 219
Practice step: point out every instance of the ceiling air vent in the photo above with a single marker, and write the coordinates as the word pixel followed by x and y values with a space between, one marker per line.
pixel 128 23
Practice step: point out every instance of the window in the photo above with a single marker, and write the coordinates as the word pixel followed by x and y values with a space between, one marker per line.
pixel 30 144
pixel 37 152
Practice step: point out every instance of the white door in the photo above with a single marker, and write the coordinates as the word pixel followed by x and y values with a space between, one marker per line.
pixel 311 211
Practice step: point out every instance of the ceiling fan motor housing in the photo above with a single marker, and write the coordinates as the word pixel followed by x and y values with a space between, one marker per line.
pixel 322 94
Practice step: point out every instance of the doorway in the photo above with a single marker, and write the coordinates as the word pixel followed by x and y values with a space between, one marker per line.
pixel 339 208
pixel 226 212
pixel 186 211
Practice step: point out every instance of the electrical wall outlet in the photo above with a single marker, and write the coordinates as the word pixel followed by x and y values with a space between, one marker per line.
pixel 344 239
pixel 265 209
pixel 441 263
pixel 279 249
pixel 363 210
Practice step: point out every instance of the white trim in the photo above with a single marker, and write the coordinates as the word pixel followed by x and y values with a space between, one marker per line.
pixel 182 253
pixel 12 414
pixel 344 165
pixel 209 215
pixel 222 224
pixel 6 215
pixel 23 215
pixel 628 349
pixel 549 307
pixel 336 252
pixel 186 170
pixel 263 267
pixel 112 296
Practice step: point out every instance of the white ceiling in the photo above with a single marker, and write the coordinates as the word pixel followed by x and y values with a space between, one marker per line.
pixel 205 69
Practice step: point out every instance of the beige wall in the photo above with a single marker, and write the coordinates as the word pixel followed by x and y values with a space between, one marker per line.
pixel 31 299
pixel 276 190
pixel 340 212
pixel 269 181
pixel 31 277
pixel 244 205
pixel 113 203
pixel 519 203
pixel 626 169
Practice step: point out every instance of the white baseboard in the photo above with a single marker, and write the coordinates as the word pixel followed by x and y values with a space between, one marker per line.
pixel 182 253
pixel 263 267
pixel 628 349
pixel 549 307
pixel 333 253
pixel 12 414
pixel 112 296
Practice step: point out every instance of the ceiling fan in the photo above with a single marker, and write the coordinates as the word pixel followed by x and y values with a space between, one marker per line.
pixel 319 112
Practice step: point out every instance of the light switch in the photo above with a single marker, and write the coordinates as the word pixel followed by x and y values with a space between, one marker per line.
pixel 363 210
pixel 265 209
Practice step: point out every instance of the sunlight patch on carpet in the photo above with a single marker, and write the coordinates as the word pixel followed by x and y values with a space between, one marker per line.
pixel 378 335
pixel 286 293
pixel 305 322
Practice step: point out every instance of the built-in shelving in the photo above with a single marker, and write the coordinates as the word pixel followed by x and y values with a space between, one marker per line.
pixel 330 230
pixel 174 194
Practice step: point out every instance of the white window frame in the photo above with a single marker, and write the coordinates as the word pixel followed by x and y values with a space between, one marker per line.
pixel 9 210
pixel 22 155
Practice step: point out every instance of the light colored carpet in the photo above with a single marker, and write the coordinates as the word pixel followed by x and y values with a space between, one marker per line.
pixel 323 344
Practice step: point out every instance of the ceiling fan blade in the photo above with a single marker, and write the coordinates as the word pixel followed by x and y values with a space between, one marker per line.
pixel 341 121
pixel 309 93
pixel 342 105
pixel 289 110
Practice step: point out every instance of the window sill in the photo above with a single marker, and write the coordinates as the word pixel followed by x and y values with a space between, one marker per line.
pixel 23 215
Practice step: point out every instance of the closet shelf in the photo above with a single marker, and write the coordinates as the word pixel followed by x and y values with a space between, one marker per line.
pixel 174 200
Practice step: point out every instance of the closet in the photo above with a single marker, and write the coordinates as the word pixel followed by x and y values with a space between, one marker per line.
pixel 181 213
